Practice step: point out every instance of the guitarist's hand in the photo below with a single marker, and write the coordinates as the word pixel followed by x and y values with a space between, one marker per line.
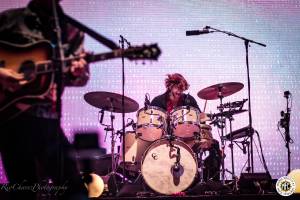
pixel 78 66
pixel 11 80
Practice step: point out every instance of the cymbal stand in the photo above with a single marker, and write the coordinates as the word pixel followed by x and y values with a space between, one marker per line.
pixel 222 126
pixel 112 175
pixel 234 178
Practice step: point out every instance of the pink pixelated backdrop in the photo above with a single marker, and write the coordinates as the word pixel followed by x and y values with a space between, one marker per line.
pixel 204 60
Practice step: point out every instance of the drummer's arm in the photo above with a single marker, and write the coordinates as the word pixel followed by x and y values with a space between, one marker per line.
pixel 194 103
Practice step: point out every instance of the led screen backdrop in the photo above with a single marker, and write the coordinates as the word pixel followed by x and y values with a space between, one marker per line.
pixel 204 60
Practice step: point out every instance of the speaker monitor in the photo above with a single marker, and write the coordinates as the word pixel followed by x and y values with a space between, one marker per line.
pixel 255 183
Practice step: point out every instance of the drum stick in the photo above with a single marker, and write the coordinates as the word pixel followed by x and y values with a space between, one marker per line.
pixel 204 106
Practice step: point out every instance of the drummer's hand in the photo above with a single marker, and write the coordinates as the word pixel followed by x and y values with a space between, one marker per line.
pixel 78 66
pixel 11 80
pixel 204 117
pixel 205 144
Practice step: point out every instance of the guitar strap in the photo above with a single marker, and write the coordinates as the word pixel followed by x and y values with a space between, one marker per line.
pixel 103 40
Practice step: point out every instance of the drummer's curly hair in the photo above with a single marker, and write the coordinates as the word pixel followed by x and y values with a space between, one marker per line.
pixel 178 80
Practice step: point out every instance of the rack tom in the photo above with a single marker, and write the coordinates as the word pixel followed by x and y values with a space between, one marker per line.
pixel 185 121
pixel 151 123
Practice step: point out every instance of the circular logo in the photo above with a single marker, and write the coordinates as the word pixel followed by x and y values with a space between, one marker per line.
pixel 285 186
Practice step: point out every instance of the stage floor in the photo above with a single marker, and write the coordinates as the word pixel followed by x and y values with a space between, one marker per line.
pixel 210 197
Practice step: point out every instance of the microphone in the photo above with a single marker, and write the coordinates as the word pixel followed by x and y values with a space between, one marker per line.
pixel 177 169
pixel 197 32
pixel 287 94
pixel 129 123
pixel 147 101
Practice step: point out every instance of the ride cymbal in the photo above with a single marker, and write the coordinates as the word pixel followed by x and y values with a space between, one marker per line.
pixel 109 101
pixel 220 90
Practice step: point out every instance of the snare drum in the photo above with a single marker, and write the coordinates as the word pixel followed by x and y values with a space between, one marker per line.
pixel 158 166
pixel 151 123
pixel 185 121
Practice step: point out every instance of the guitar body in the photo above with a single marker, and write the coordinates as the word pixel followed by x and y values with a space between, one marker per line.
pixel 24 59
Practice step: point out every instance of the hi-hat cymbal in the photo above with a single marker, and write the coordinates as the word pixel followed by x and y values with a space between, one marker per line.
pixel 111 102
pixel 220 90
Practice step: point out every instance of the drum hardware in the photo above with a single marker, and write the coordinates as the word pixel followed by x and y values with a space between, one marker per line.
pixel 226 113
pixel 239 133
pixel 111 102
pixel 245 133
pixel 235 104
pixel 219 91
pixel 234 178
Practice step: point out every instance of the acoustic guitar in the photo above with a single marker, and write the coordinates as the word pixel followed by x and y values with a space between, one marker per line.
pixel 34 61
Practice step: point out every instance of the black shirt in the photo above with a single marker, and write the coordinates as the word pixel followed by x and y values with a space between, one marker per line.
pixel 187 100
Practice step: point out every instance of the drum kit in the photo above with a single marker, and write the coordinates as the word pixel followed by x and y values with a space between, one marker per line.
pixel 164 148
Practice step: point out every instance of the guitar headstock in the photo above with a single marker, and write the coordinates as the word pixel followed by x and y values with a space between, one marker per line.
pixel 144 52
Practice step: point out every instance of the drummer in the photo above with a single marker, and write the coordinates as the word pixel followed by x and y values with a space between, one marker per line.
pixel 175 85
pixel 174 96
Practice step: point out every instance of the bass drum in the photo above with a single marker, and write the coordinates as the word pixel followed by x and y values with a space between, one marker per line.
pixel 159 168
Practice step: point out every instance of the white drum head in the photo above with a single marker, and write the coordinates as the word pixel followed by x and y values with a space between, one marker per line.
pixel 158 167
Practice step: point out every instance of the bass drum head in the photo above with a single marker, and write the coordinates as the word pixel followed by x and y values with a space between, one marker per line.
pixel 158 167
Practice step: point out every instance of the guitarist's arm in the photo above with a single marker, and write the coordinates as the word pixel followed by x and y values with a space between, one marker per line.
pixel 78 73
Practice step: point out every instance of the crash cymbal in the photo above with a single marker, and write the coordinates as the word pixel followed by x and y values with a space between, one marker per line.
pixel 223 89
pixel 111 102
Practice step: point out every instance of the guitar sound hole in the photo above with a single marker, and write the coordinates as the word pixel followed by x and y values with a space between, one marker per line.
pixel 28 69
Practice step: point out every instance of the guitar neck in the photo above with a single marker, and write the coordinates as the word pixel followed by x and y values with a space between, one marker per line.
pixel 103 56
pixel 150 52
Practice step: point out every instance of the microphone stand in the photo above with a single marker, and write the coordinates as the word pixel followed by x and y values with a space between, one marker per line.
pixel 288 137
pixel 246 42
pixel 122 42
pixel 60 67
pixel 59 60
pixel 285 123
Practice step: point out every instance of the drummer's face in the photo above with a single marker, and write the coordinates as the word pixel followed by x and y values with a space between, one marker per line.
pixel 176 92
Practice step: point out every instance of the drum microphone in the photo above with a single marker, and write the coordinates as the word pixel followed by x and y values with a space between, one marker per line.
pixel 147 101
pixel 129 123
pixel 177 169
